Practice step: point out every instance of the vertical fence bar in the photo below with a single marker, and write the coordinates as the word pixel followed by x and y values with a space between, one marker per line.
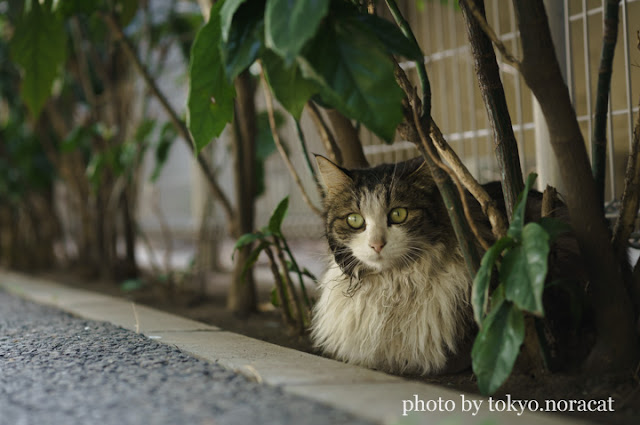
pixel 453 39
pixel 569 51
pixel 587 65
pixel 472 119
pixel 518 84
pixel 627 69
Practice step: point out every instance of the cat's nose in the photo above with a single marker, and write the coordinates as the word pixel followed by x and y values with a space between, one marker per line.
pixel 377 246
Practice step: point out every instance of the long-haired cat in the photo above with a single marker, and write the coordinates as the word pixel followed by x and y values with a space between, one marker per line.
pixel 396 294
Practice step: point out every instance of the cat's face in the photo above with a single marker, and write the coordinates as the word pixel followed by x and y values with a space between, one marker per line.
pixel 381 218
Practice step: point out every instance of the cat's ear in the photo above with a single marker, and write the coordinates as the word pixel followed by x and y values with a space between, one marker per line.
pixel 333 178
pixel 420 172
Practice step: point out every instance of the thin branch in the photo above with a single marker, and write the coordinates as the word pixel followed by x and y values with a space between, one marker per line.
pixel 630 195
pixel 496 218
pixel 599 139
pixel 422 71
pixel 506 55
pixel 283 152
pixel 305 151
pixel 82 61
pixel 549 197
pixel 293 294
pixel 173 116
pixel 428 147
pixel 284 302
pixel 330 145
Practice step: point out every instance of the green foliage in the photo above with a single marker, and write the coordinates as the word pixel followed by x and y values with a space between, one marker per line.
pixel 324 48
pixel 275 222
pixel 522 274
pixel 497 345
pixel 39 47
pixel 210 103
pixel 271 237
pixel 287 83
pixel 168 135
pixel 290 25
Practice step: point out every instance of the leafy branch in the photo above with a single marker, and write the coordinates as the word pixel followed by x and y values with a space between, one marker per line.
pixel 296 312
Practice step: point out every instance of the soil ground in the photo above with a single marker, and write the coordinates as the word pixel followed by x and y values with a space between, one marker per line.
pixel 268 326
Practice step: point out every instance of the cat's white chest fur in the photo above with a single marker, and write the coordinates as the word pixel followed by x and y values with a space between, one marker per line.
pixel 407 321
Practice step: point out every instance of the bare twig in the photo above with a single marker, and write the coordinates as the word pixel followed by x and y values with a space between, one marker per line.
pixel 548 201
pixel 630 195
pixel 293 294
pixel 284 302
pixel 177 122
pixel 506 55
pixel 496 218
pixel 422 72
pixel 283 152
pixel 599 139
pixel 330 145
pixel 427 146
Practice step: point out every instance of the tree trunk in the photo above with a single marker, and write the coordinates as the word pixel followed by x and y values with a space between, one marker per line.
pixel 348 140
pixel 241 298
pixel 488 74
pixel 617 342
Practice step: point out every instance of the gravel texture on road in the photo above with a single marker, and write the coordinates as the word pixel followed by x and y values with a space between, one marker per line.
pixel 59 369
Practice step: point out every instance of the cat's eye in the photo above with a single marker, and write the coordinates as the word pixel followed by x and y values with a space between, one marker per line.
pixel 355 220
pixel 398 215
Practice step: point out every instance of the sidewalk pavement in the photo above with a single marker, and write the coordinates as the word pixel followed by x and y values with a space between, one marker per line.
pixel 114 362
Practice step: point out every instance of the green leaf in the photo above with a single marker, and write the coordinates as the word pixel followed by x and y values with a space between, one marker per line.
pixel 210 103
pixel 244 41
pixel 167 137
pixel 229 9
pixel 72 7
pixel 39 47
pixel 517 220
pixel 497 346
pixel 247 239
pixel 391 36
pixel 554 227
pixel 480 290
pixel 126 11
pixel 275 222
pixel 355 75
pixel 275 298
pixel 144 130
pixel 287 83
pixel 524 269
pixel 253 258
pixel 289 25
pixel 131 285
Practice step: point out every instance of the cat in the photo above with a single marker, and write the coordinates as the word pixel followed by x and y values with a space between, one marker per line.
pixel 396 295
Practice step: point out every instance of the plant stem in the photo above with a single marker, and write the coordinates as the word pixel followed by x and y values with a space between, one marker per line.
pixel 599 140
pixel 305 151
pixel 422 70
pixel 303 289
pixel 293 294
pixel 330 145
pixel 284 301
pixel 283 152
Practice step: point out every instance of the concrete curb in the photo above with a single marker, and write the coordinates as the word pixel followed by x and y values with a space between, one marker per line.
pixel 365 393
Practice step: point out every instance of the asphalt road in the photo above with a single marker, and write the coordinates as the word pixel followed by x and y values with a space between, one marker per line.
pixel 59 369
